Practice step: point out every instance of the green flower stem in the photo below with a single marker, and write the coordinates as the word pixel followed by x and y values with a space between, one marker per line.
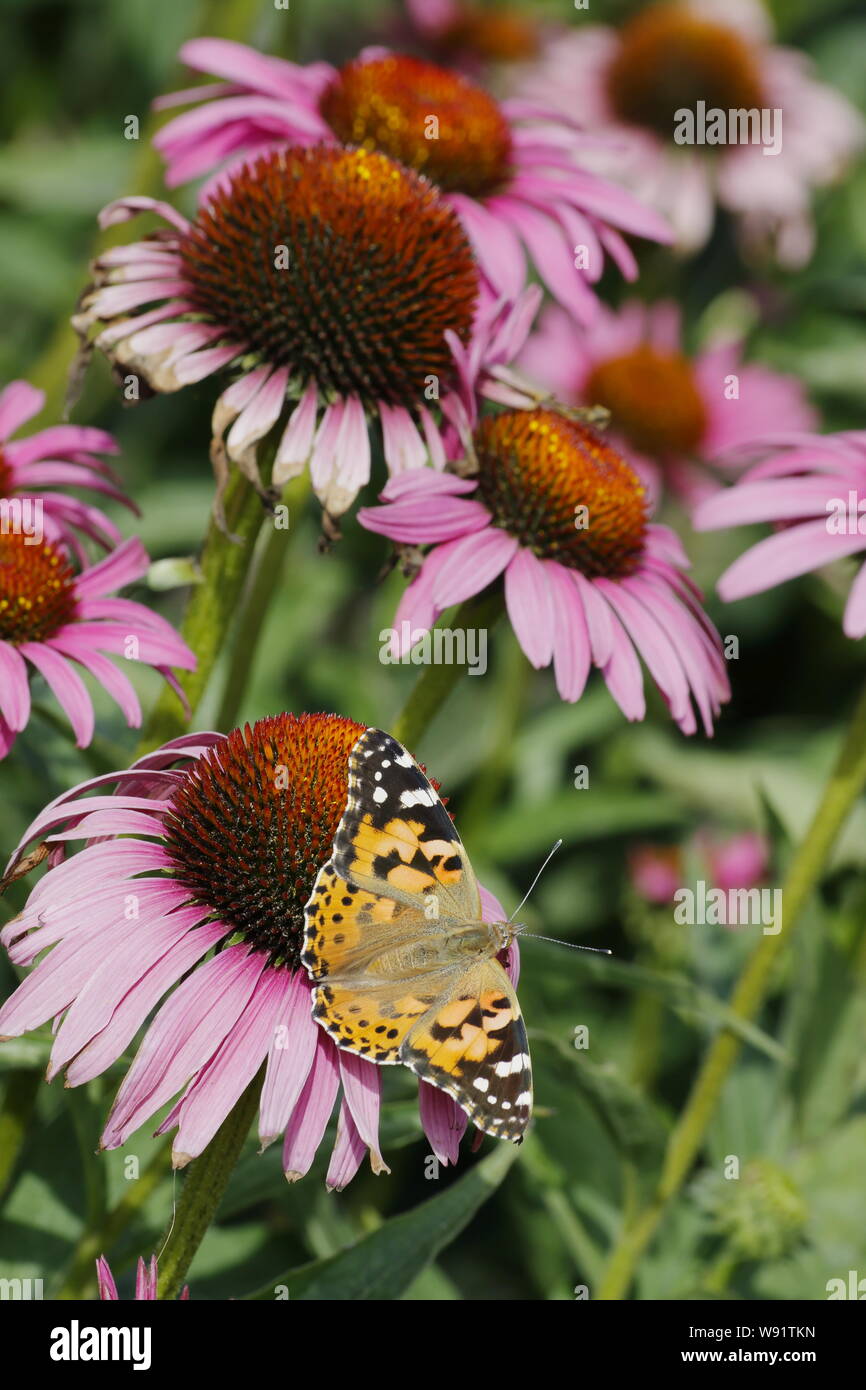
pixel 225 563
pixel 261 587
pixel 435 684
pixel 80 1280
pixel 503 725
pixel 203 1190
pixel 842 790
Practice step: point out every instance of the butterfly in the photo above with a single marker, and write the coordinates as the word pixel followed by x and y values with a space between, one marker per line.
pixel 403 967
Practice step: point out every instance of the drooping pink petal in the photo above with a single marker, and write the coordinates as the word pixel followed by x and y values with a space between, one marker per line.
pixel 572 651
pixel 138 1002
pixel 185 1034
pixel 14 687
pixel 349 1151
pixel 530 601
pixel 312 1112
pixel 290 1057
pixel 362 1086
pixel 220 1083
pixel 443 1122
pixel 66 686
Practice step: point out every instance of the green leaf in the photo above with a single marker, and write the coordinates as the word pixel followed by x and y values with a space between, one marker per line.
pixel 634 1125
pixel 385 1264
pixel 576 816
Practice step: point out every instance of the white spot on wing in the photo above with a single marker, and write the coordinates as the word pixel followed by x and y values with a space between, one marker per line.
pixel 425 796
pixel 380 795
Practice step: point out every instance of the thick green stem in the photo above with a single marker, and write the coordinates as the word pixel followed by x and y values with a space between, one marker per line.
pixel 435 684
pixel 845 785
pixel 203 1190
pixel 261 586
pixel 225 563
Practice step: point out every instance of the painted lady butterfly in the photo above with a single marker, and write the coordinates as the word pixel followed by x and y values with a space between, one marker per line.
pixel 404 968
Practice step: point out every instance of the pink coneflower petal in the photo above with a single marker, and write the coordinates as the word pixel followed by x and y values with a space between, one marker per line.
pixel 475 561
pixel 623 676
pixel 495 239
pixel 257 418
pixel 296 445
pixel 232 1067
pixel 66 686
pixel 138 1002
pixel 310 1117
pixel 599 625
pixel 417 607
pixel 183 1037
pixel 531 601
pixel 785 556
pixel 14 687
pixel 453 517
pixel 19 402
pixel 145 1279
pixel 572 649
pixel 237 63
pixel 443 1122
pixel 403 446
pixel 105 1280
pixel 653 644
pixel 118 971
pixel 349 1151
pixel 290 1058
pixel 362 1087
pixel 550 253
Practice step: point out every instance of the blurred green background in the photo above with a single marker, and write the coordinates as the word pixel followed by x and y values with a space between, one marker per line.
pixel 505 750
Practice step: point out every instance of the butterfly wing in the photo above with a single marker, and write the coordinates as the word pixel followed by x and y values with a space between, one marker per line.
pixel 473 1045
pixel 373 971
pixel 376 925
pixel 397 839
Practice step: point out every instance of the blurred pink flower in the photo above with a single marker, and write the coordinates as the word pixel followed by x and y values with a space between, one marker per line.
pixel 146 1278
pixel 191 884
pixel 738 861
pixel 656 872
pixel 366 311
pixel 812 488
pixel 515 171
pixel 50 616
pixel 669 412
pixel 62 456
pixel 633 80
pixel 588 580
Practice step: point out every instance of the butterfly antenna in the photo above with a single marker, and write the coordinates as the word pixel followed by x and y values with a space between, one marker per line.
pixel 572 945
pixel 521 931
pixel 535 880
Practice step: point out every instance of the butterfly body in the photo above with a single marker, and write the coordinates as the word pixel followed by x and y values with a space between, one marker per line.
pixel 405 971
